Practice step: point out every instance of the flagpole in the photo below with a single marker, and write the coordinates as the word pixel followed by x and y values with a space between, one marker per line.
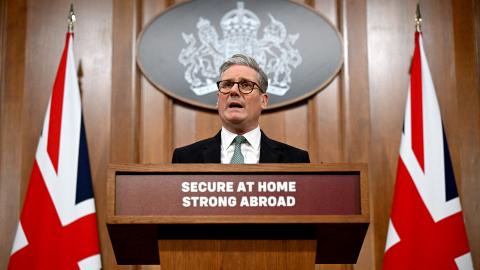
pixel 71 19
pixel 418 19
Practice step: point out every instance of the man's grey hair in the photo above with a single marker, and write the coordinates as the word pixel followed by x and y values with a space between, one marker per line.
pixel 244 60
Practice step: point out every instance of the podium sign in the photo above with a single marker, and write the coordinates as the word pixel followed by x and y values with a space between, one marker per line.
pixel 326 203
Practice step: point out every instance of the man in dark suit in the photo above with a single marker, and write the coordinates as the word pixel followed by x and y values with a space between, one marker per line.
pixel 242 95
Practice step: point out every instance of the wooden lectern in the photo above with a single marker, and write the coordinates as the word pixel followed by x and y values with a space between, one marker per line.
pixel 217 216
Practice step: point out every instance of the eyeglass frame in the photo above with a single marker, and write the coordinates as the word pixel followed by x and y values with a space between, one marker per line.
pixel 238 86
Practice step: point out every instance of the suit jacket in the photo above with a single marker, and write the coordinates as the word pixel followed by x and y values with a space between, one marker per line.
pixel 208 151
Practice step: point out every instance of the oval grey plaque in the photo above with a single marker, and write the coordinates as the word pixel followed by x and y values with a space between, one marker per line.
pixel 181 50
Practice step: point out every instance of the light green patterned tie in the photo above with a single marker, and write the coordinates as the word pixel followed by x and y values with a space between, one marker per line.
pixel 237 157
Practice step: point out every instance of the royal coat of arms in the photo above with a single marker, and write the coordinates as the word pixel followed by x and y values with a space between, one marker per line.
pixel 274 51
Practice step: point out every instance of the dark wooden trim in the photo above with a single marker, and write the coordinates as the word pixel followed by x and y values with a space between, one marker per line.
pixel 125 94
pixel 465 14
pixel 13 28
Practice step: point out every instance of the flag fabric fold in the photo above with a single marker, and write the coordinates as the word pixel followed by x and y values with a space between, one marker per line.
pixel 426 229
pixel 58 224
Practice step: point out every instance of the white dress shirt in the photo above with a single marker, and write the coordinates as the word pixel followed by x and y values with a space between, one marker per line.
pixel 250 149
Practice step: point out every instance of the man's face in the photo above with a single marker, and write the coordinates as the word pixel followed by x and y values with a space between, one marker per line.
pixel 240 112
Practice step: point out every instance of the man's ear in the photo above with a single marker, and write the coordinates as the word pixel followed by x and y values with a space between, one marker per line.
pixel 216 104
pixel 264 101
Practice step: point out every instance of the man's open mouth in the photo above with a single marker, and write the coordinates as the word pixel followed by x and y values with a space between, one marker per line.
pixel 235 105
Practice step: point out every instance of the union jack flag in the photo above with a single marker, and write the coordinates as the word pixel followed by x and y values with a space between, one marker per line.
pixel 58 226
pixel 426 229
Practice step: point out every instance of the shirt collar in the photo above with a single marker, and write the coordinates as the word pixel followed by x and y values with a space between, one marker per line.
pixel 253 137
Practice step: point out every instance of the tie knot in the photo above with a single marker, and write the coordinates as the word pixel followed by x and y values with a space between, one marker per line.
pixel 239 140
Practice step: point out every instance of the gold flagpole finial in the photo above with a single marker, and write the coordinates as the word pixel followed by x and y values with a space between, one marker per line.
pixel 71 19
pixel 418 19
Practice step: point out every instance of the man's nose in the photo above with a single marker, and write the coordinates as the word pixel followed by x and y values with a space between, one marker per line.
pixel 235 90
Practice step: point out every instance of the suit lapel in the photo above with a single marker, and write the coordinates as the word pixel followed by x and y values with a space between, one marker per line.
pixel 211 151
pixel 269 152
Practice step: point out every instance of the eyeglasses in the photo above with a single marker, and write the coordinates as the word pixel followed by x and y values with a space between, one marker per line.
pixel 246 87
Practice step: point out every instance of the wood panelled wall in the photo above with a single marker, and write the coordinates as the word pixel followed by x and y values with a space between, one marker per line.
pixel 357 118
